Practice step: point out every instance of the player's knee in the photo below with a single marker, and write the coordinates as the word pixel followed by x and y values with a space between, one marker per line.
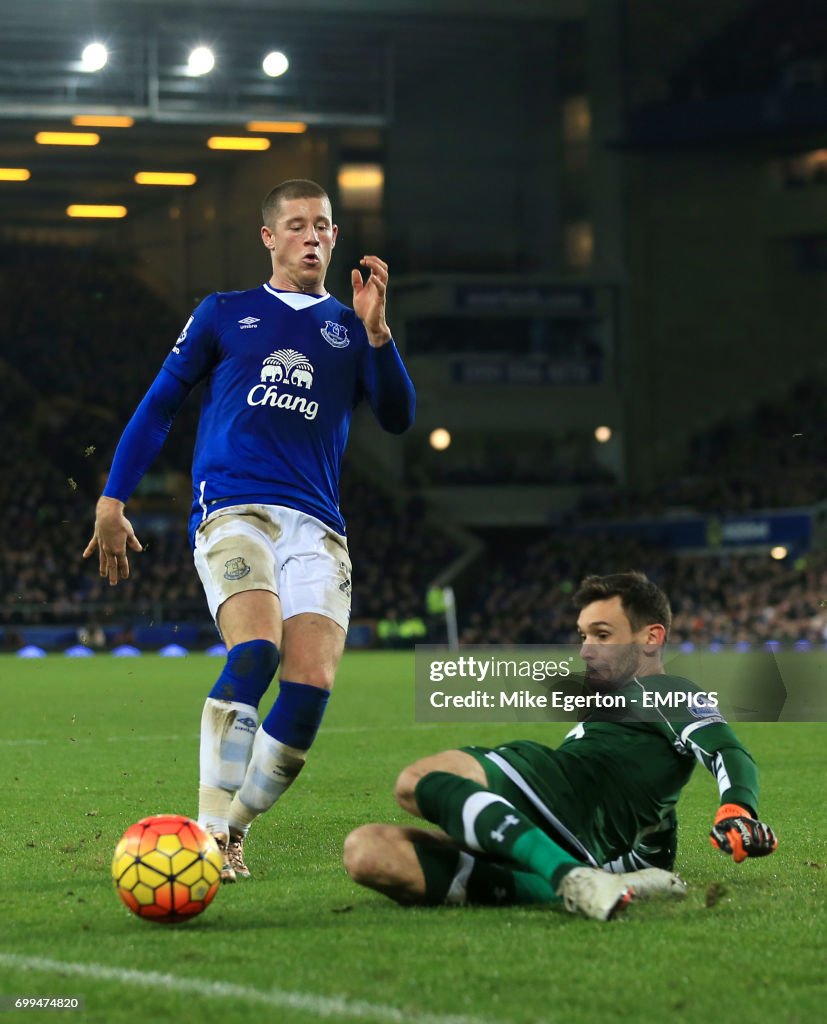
pixel 305 668
pixel 312 649
pixel 405 787
pixel 360 853
pixel 322 676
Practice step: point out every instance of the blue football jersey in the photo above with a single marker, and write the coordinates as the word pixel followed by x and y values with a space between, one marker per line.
pixel 283 373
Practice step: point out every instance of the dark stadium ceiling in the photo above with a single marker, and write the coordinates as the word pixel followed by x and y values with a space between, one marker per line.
pixel 341 64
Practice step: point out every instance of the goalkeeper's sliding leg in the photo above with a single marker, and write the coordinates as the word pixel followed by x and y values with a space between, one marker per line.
pixel 415 866
pixel 488 849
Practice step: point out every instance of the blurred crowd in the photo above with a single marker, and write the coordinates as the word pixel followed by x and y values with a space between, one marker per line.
pixel 73 367
pixel 525 459
pixel 525 595
pixel 770 47
pixel 84 337
pixel 72 370
pixel 770 459
pixel 44 580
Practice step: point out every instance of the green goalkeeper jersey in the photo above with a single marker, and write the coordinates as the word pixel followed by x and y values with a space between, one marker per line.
pixel 614 782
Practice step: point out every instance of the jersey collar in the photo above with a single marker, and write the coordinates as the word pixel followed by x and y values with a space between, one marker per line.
pixel 295 300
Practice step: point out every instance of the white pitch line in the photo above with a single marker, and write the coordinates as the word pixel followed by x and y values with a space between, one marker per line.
pixel 320 1006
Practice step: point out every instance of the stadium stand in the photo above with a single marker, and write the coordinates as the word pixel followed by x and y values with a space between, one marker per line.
pixel 73 371
pixel 74 368
pixel 525 594
pixel 769 47
pixel 770 459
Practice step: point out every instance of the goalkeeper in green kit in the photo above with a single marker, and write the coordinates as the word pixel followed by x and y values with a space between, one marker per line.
pixel 590 824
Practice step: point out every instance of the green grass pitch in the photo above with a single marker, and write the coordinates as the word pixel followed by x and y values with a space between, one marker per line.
pixel 88 747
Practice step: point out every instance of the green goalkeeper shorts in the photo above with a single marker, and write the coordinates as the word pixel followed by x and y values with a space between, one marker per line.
pixel 529 776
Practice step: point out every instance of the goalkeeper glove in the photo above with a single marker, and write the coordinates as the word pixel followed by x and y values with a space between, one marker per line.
pixel 736 831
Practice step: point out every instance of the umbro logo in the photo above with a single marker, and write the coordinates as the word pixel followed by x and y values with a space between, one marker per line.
pixel 248 322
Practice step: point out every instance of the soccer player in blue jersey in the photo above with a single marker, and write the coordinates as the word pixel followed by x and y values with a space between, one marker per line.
pixel 284 366
pixel 590 824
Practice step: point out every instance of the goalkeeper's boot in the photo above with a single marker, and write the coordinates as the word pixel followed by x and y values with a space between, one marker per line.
pixel 654 883
pixel 594 893
pixel 228 874
pixel 235 854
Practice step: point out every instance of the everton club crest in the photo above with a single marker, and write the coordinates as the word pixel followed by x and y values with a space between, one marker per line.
pixel 335 334
pixel 236 569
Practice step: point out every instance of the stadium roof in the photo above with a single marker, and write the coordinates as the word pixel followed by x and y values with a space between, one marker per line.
pixel 341 55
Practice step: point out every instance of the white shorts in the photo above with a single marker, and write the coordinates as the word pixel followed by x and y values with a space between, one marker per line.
pixel 270 547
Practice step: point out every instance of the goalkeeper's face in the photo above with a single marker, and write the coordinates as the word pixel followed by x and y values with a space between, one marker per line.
pixel 613 650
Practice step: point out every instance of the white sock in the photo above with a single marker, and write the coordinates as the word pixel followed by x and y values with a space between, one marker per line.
pixel 272 769
pixel 227 732
pixel 214 809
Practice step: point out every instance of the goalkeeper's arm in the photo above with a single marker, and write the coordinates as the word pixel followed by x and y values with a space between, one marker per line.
pixel 736 830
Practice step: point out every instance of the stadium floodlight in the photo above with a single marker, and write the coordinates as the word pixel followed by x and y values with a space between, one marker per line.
pixel 201 61
pixel 102 121
pixel 779 552
pixel 360 176
pixel 94 57
pixel 165 178
pixel 440 439
pixel 95 211
pixel 602 434
pixel 277 127
pixel 15 174
pixel 237 142
pixel 67 138
pixel 275 64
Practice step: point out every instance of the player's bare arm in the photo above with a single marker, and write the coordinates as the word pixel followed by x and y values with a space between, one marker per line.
pixel 112 536
pixel 369 299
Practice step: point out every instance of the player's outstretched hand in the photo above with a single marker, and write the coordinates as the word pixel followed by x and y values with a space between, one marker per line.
pixel 369 299
pixel 736 832
pixel 113 535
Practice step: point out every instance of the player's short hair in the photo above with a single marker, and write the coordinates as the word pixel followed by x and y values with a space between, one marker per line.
pixel 642 600
pixel 294 188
